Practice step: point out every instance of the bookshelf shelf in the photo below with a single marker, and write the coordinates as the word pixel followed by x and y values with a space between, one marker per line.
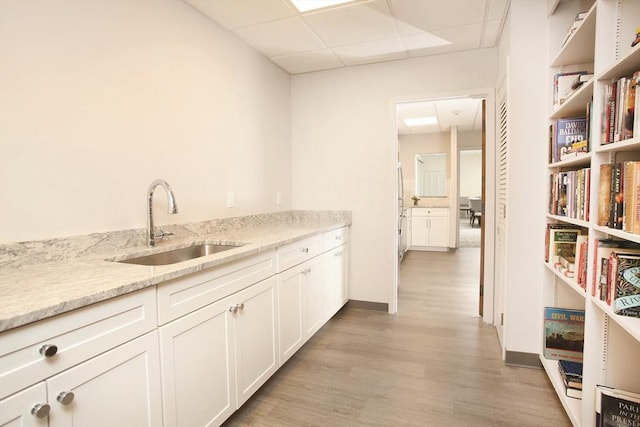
pixel 568 281
pixel 579 49
pixel 576 105
pixel 571 406
pixel 600 44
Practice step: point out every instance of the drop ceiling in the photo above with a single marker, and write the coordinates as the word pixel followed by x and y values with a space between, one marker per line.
pixel 365 32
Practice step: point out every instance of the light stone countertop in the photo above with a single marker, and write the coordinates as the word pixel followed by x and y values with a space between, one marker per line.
pixel 40 279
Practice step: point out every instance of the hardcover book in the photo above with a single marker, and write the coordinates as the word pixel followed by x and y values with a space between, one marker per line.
pixel 603 248
pixel 616 408
pixel 626 301
pixel 563 334
pixel 571 137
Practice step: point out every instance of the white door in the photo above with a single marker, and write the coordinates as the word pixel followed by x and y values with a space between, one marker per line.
pixel 16 410
pixel 501 219
pixel 438 231
pixel 290 300
pixel 335 285
pixel 198 367
pixel 256 336
pixel 312 279
pixel 118 388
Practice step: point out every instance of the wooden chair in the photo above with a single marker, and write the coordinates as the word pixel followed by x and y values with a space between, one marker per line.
pixel 475 210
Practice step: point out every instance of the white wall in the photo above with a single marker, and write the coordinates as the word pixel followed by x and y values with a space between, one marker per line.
pixel 470 173
pixel 527 103
pixel 344 154
pixel 99 98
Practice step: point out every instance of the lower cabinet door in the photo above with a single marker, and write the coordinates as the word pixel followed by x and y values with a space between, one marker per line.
pixel 27 408
pixel 335 286
pixel 118 388
pixel 290 319
pixel 197 353
pixel 256 336
pixel 313 284
pixel 439 231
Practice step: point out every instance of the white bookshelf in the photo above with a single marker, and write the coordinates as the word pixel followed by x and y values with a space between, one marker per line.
pixel 601 44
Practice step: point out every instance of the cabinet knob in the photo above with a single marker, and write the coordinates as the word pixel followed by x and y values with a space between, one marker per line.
pixel 338 237
pixel 241 306
pixel 40 410
pixel 48 350
pixel 233 309
pixel 305 250
pixel 338 253
pixel 65 397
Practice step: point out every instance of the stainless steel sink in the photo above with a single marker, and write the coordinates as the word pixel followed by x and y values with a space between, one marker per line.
pixel 178 255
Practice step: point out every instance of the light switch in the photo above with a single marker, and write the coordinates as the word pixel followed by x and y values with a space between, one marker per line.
pixel 230 199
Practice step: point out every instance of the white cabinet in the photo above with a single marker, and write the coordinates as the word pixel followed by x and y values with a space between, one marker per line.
pixel 78 359
pixel 429 228
pixel 216 357
pixel 335 261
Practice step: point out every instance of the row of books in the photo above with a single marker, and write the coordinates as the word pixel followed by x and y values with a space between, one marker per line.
pixel 620 102
pixel 569 193
pixel 619 196
pixel 569 138
pixel 616 272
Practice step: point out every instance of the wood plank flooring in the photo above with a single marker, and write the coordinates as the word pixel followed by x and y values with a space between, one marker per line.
pixel 435 363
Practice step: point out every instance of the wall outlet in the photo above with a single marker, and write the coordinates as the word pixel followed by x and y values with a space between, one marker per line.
pixel 230 199
pixel 278 198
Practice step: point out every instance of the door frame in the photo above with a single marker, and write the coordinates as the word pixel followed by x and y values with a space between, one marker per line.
pixel 488 220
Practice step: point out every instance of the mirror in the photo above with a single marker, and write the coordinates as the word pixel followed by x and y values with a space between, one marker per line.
pixel 431 174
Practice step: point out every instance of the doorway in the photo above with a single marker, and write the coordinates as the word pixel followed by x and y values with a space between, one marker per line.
pixel 458 138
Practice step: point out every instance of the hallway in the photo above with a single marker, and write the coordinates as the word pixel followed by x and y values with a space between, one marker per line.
pixel 433 364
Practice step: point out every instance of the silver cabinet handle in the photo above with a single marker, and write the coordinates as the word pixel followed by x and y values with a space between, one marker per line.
pixel 40 410
pixel 305 250
pixel 65 397
pixel 338 253
pixel 233 309
pixel 338 237
pixel 48 350
pixel 240 306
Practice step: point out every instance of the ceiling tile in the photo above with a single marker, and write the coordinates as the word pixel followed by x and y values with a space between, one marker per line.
pixel 353 24
pixel 366 53
pixel 461 38
pixel 429 15
pixel 497 9
pixel 281 37
pixel 233 14
pixel 308 61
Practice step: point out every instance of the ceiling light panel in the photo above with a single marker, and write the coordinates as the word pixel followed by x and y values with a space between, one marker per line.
pixel 309 5
pixel 421 121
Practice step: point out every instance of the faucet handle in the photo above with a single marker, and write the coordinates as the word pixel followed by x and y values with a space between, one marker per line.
pixel 161 233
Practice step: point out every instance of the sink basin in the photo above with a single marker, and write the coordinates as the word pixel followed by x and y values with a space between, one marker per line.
pixel 178 255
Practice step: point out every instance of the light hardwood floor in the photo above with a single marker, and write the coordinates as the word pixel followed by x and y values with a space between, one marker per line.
pixel 435 363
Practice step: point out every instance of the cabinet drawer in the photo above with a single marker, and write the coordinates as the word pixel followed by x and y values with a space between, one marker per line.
pixel 429 212
pixel 186 294
pixel 298 252
pixel 334 238
pixel 77 335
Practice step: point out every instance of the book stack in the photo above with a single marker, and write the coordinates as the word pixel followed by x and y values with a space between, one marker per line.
pixel 571 373
pixel 565 84
pixel 616 270
pixel 561 248
pixel 619 104
pixel 619 196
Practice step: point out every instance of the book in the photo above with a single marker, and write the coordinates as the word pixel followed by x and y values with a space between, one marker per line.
pixel 549 235
pixel 635 85
pixel 562 243
pixel 571 137
pixel 607 118
pixel 582 243
pixel 571 369
pixel 616 208
pixel 616 407
pixel 604 194
pixel 574 27
pixel 603 248
pixel 625 294
pixel 575 393
pixel 627 103
pixel 563 334
pixel 630 194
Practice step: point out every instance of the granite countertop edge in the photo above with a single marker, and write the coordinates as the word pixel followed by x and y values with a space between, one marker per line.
pixel 37 288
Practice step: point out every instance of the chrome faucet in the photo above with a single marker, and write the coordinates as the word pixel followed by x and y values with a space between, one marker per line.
pixel 173 209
